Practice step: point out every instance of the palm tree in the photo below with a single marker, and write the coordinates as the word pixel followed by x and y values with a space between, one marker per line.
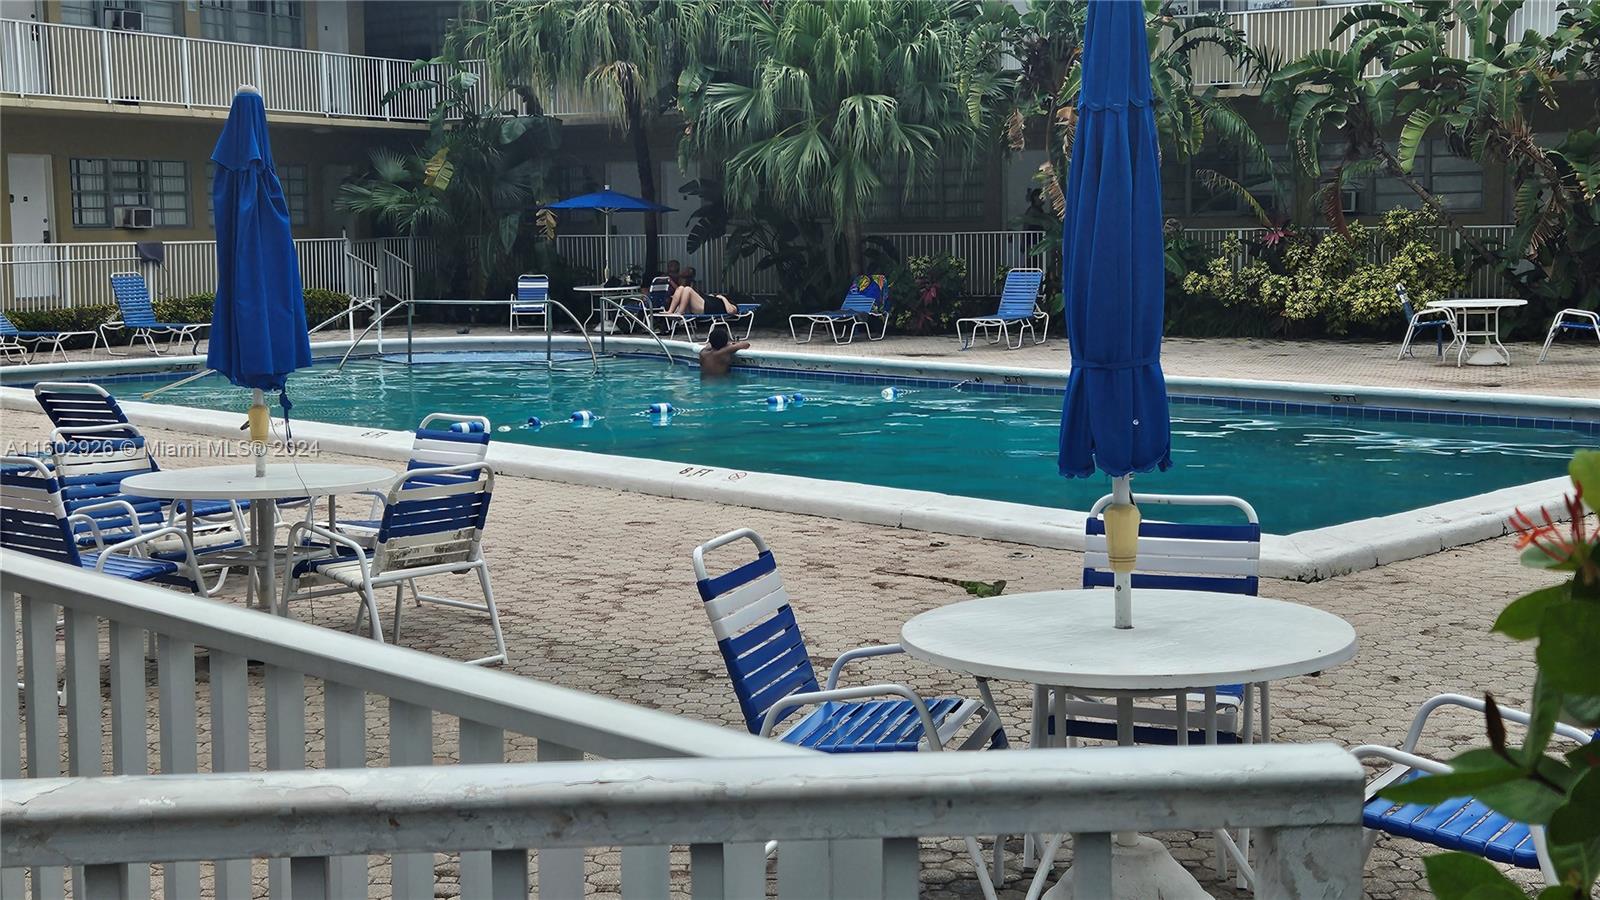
pixel 1047 40
pixel 815 107
pixel 626 52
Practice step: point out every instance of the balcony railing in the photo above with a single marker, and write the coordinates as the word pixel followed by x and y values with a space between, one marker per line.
pixel 139 69
pixel 1290 32
pixel 847 826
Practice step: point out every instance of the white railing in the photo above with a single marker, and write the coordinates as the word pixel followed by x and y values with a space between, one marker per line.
pixel 1486 281
pixel 64 276
pixel 847 826
pixel 1290 32
pixel 135 68
pixel 986 252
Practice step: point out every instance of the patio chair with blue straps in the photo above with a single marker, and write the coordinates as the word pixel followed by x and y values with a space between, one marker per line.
pixel 139 318
pixel 531 300
pixel 24 345
pixel 74 404
pixel 866 302
pixel 1462 823
pixel 773 678
pixel 1433 320
pixel 1019 306
pixel 647 306
pixel 1184 557
pixel 91 462
pixel 442 440
pixel 432 524
pixel 1578 321
pixel 34 520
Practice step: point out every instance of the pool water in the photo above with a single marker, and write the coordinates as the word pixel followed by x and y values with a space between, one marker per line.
pixel 1299 470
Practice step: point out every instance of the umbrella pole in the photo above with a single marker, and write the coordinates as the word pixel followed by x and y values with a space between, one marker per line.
pixel 258 432
pixel 1122 546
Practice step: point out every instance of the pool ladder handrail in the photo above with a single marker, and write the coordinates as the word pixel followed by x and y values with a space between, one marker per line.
pixel 549 331
pixel 623 310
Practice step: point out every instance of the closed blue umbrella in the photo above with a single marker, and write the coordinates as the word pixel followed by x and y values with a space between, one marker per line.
pixel 608 202
pixel 1114 417
pixel 258 324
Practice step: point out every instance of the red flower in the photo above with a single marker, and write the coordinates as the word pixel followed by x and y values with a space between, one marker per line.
pixel 1560 542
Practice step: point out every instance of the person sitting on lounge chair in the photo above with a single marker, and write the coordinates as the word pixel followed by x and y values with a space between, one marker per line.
pixel 688 301
pixel 716 358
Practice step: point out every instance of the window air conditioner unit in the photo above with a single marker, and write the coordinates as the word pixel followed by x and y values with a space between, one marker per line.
pixel 136 217
pixel 124 19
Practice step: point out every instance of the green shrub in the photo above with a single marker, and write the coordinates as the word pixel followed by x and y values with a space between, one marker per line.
pixel 1331 283
pixel 320 304
pixel 932 304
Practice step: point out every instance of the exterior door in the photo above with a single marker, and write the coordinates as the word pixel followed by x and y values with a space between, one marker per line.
pixel 32 272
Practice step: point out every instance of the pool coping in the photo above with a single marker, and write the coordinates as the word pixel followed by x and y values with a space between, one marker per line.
pixel 1306 555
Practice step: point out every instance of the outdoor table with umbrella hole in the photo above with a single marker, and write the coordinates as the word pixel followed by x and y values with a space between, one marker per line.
pixel 1067 642
pixel 608 201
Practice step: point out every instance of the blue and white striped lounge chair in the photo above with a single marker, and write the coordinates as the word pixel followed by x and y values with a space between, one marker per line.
pixel 651 304
pixel 773 677
pixel 1461 823
pixel 1183 557
pixel 1578 321
pixel 866 301
pixel 34 520
pixel 1433 320
pixel 1019 306
pixel 442 440
pixel 139 317
pixel 23 346
pixel 743 312
pixel 531 301
pixel 432 524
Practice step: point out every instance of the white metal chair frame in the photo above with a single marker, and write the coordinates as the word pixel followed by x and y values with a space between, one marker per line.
pixel 934 738
pixel 1424 317
pixel 391 562
pixel 421 451
pixel 1406 759
pixel 225 532
pixel 1001 328
pixel 1218 714
pixel 137 546
pixel 530 309
pixel 1562 319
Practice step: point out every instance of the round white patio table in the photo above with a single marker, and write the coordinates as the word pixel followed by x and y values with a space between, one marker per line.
pixel 597 291
pixel 1491 352
pixel 1181 641
pixel 283 481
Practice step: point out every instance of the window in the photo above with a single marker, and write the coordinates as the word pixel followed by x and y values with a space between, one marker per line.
pixel 99 186
pixel 275 22
pixel 296 190
pixel 951 191
pixel 1456 181
pixel 160 16
pixel 1185 192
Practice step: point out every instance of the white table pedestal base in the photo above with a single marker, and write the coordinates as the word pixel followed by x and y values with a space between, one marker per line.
pixel 1142 870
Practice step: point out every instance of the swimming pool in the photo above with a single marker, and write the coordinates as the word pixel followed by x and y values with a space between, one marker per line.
pixel 1301 470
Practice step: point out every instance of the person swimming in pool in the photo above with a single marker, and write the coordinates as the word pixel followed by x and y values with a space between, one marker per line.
pixel 688 301
pixel 716 358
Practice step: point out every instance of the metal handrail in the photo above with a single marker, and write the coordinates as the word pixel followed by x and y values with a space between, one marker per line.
pixel 612 301
pixel 376 320
pixel 549 336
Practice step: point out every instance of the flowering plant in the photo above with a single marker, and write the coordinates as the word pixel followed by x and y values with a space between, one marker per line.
pixel 1560 793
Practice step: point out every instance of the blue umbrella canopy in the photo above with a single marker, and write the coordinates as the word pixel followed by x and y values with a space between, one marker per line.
pixel 609 201
pixel 258 325
pixel 1114 417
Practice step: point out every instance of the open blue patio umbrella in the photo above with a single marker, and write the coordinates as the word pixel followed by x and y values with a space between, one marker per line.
pixel 258 324
pixel 608 202
pixel 1114 417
